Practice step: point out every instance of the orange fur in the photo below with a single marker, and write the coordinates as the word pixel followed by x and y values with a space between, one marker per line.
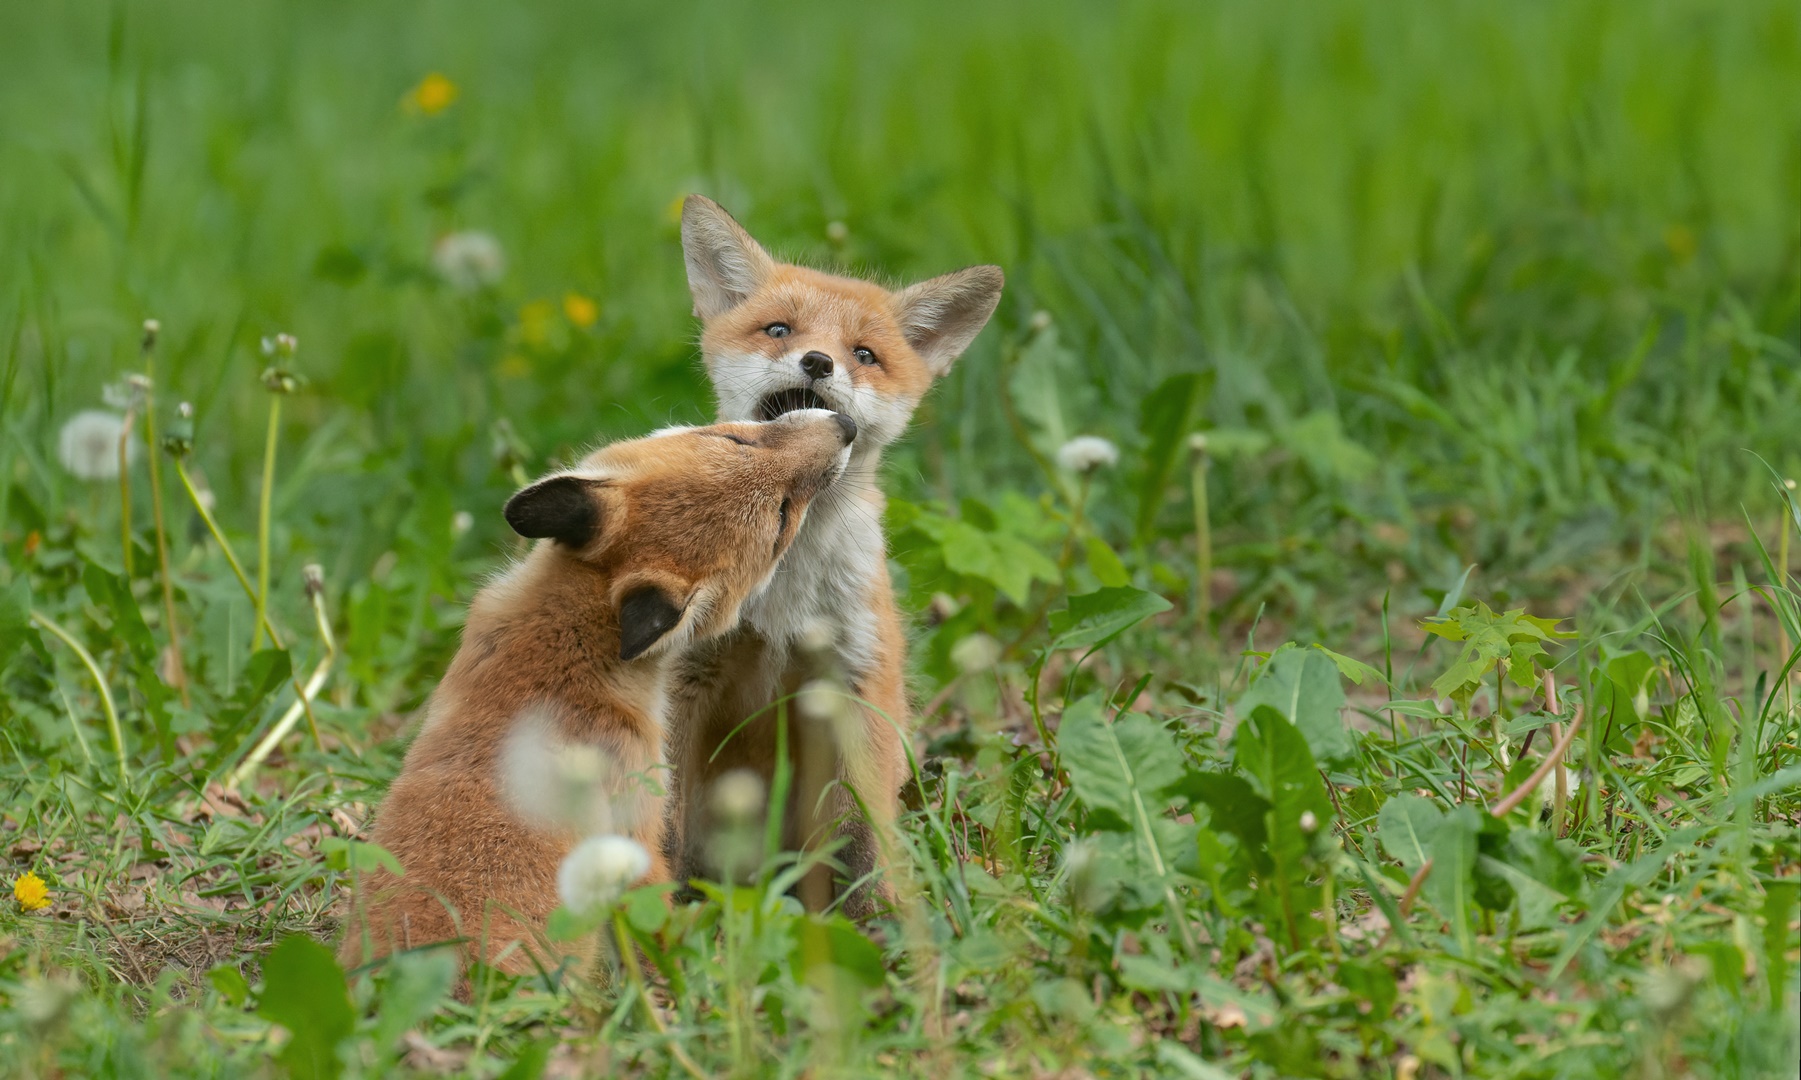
pixel 686 525
pixel 774 335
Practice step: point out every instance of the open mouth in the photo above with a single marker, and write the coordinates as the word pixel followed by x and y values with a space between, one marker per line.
pixel 787 401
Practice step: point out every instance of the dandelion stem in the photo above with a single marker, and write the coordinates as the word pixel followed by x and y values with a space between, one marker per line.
pixel 106 695
pixel 125 494
pixel 1203 546
pixel 262 524
pixel 162 533
pixel 231 557
pixel 313 684
pixel 237 569
pixel 628 959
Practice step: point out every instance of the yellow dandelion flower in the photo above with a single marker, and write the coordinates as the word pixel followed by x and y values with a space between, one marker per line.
pixel 514 366
pixel 673 212
pixel 580 310
pixel 433 95
pixel 31 892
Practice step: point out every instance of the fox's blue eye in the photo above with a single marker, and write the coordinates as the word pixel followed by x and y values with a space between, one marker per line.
pixel 778 329
pixel 864 356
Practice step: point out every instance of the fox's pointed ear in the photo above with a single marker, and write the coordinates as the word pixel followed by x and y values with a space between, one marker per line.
pixel 942 316
pixel 563 508
pixel 724 264
pixel 645 615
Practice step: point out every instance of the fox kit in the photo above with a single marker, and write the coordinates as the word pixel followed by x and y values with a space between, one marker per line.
pixel 645 547
pixel 778 337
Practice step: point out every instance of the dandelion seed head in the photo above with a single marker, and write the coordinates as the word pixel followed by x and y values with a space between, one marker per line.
pixel 1086 453
pixel 837 232
pixel 469 261
pixel 738 795
pixel 554 783
pixel 461 522
pixel 1309 821
pixel 598 870
pixel 1040 321
pixel 89 445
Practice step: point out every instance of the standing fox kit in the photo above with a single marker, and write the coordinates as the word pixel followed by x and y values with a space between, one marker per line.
pixel 645 548
pixel 775 338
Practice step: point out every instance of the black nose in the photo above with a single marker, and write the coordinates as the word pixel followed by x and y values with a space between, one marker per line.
pixel 817 365
pixel 847 428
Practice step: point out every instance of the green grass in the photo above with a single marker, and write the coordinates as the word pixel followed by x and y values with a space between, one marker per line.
pixel 1447 285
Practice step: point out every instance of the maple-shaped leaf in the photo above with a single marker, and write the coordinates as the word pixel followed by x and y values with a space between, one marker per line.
pixel 1513 638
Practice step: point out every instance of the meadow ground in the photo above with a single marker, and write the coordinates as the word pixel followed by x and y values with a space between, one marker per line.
pixel 1489 315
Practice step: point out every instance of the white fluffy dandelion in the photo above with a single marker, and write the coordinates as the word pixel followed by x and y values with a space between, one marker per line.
pixel 738 795
pixel 1086 453
pixel 554 783
pixel 598 870
pixel 89 444
pixel 468 261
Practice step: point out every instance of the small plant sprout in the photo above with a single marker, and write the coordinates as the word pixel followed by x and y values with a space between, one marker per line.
pixel 147 347
pixel 469 261
pixel 598 871
pixel 280 381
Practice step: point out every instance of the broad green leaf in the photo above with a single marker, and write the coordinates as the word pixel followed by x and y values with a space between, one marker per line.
pixel 1405 827
pixel 1229 443
pixel 1319 441
pixel 1451 886
pixel 1302 685
pixel 111 594
pixel 358 856
pixel 304 991
pixel 15 621
pixel 1095 618
pixel 1017 565
pixel 1272 754
pixel 1233 808
pixel 530 1063
pixel 1778 911
pixel 1164 419
pixel 1104 563
pixel 229 981
pixel 1123 770
pixel 413 985
pixel 1355 670
pixel 826 945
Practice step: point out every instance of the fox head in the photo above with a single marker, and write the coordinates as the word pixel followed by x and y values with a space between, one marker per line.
pixel 778 337
pixel 685 525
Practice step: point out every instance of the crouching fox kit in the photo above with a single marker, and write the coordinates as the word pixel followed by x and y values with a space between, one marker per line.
pixel 645 547
pixel 778 337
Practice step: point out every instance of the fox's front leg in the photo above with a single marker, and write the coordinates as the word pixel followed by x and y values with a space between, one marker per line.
pixel 873 764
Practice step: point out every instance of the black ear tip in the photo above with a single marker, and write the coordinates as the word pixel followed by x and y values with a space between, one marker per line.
pixel 561 508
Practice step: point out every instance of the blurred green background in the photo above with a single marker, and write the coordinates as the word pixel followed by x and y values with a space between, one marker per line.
pixel 1513 283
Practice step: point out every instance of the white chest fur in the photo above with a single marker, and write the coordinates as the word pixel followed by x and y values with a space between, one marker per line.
pixel 825 576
